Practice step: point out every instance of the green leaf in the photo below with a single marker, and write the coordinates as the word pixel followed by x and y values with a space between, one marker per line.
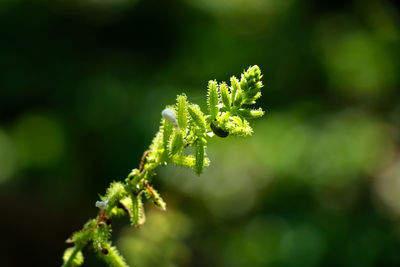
pixel 167 129
pixel 251 113
pixel 77 257
pixel 235 89
pixel 112 257
pixel 238 98
pixel 225 96
pixel 176 143
pixel 83 236
pixel 182 112
pixel 212 99
pixel 239 127
pixel 251 84
pixel 101 235
pixel 197 116
pixel 138 216
pixel 157 144
pixel 199 156
pixel 115 192
pixel 183 161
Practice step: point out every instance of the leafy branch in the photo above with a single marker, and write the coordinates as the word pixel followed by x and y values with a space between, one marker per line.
pixel 182 125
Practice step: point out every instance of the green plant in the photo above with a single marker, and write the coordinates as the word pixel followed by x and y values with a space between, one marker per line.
pixel 183 125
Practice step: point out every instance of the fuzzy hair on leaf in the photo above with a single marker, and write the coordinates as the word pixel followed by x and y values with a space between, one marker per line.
pixel 251 84
pixel 225 96
pixel 138 216
pixel 183 161
pixel 115 193
pixel 251 113
pixel 75 255
pixel 213 99
pixel 181 107
pixel 200 151
pixel 239 127
pixel 235 89
pixel 167 129
pixel 176 142
pixel 112 257
pixel 197 116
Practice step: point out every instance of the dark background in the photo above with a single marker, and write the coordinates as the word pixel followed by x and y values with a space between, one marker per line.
pixel 82 85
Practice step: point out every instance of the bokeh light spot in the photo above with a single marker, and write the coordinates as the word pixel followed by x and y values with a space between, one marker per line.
pixel 7 157
pixel 39 139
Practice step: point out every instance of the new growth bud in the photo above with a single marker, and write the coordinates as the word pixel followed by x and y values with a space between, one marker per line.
pixel 102 204
pixel 169 115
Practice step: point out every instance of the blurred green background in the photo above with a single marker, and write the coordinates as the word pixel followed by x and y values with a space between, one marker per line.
pixel 82 85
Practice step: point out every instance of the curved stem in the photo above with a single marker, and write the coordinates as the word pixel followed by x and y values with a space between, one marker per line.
pixel 191 127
